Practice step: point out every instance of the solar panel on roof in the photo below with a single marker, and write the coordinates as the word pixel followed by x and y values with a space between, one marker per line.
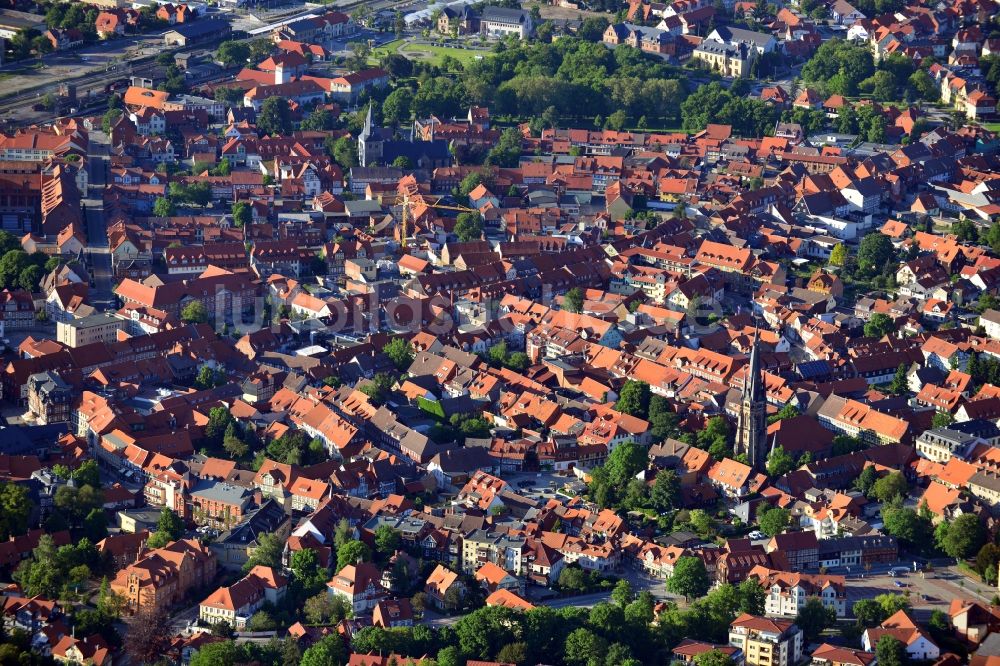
pixel 811 369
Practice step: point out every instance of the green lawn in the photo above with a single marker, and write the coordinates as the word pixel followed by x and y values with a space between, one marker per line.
pixel 434 54
pixel 993 127
pixel 426 52
pixel 384 50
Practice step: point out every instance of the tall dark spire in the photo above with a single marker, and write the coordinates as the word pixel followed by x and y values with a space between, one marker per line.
pixel 755 382
pixel 751 433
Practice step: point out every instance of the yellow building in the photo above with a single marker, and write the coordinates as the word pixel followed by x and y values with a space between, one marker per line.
pixel 728 60
pixel 87 330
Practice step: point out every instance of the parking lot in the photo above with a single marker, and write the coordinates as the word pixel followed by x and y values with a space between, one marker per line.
pixel 540 486
pixel 927 592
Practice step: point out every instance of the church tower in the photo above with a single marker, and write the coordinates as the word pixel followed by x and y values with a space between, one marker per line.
pixel 751 431
pixel 369 142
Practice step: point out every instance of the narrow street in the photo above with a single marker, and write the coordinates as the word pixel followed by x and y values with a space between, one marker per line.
pixel 98 251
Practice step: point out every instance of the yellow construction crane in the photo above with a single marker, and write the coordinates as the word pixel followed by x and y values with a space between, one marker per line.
pixel 405 211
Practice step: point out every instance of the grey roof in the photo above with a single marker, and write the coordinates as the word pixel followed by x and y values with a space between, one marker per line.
pixel 464 460
pixel 504 15
pixel 221 491
pixel 718 48
pixel 362 207
pixel 986 480
pixel 18 440
pixel 866 187
pixel 47 382
pixel 992 316
pixel 101 319
pixel 264 520
pixel 201 28
pixel 742 36
pixel 375 173
pixel 981 428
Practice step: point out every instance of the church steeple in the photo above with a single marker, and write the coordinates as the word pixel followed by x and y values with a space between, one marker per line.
pixel 368 151
pixel 366 131
pixel 751 433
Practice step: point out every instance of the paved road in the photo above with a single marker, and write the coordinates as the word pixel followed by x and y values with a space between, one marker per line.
pixel 927 593
pixel 98 252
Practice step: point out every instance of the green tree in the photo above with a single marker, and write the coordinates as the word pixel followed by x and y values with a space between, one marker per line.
pixel 879 325
pixel 194 312
pixel 838 256
pixel 899 384
pixel 378 388
pixel 387 539
pixel 507 151
pixel 15 508
pixel 962 537
pixel 714 438
pixel 814 618
pixel 309 574
pixel 666 491
pixel 941 420
pixel 582 646
pixel 400 352
pixel 882 86
pixel 95 525
pixel 274 117
pixel 606 618
pixel 890 486
pixel 324 609
pixel 905 524
pixel 752 595
pixel 219 420
pixel 839 66
pixel 469 226
pixel 518 361
pixel 170 525
pixel 267 553
pixel 497 354
pixel 109 119
pixel 319 120
pixel 343 151
pixel 163 207
pixel 592 28
pixel 329 651
pixel 774 520
pixel 780 462
pixel 233 443
pixel 352 552
pixel 232 53
pixel 262 620
pixel 634 399
pixel 874 253
pixel 622 593
pixel 397 106
pixel 868 613
pixel 690 578
pixel 789 411
pixel 987 561
pixel 701 522
pixel 713 658
pixel 573 300
pixel 627 460
pixel 242 214
pixel 890 651
pixel 866 480
pixel 229 96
